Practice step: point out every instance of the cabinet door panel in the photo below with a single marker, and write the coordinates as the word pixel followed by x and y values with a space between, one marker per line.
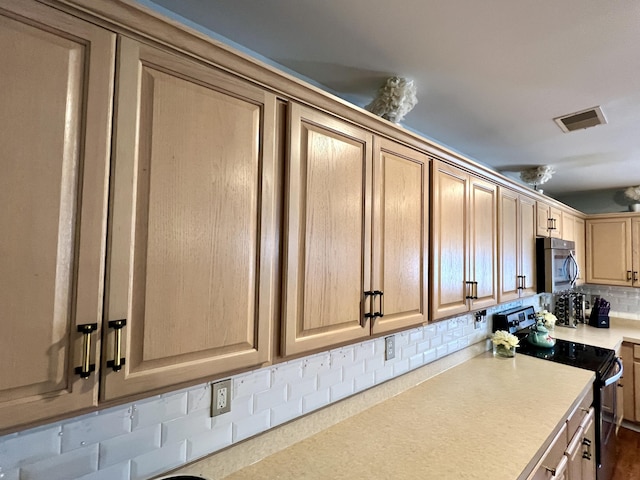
pixel 400 230
pixel 543 214
pixel 609 251
pixel 450 245
pixel 482 242
pixel 635 251
pixel 509 245
pixel 53 131
pixel 528 245
pixel 328 253
pixel 188 275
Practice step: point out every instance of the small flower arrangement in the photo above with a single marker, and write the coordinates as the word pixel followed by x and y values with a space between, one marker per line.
pixel 633 193
pixel 548 319
pixel 504 343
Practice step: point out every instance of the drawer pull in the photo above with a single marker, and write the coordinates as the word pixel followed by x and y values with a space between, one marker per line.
pixel 118 361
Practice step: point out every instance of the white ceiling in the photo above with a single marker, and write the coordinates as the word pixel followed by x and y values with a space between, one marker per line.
pixel 491 75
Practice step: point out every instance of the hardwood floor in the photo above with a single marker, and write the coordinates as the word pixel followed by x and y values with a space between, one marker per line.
pixel 628 464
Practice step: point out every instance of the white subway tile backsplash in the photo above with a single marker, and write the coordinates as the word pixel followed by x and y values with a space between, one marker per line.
pixel 290 372
pixel 299 389
pixel 114 472
pixel 202 444
pixel 341 390
pixel 198 398
pixel 159 461
pixel 270 398
pixel 161 409
pixel 330 378
pixel 173 431
pixel 68 465
pixel 285 412
pixel 96 427
pixel 253 382
pixel 29 447
pixel 315 400
pixel 247 427
pixel 118 449
pixel 400 366
pixel 364 381
pixel 162 432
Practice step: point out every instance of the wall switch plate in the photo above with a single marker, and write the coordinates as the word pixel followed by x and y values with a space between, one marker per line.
pixel 389 347
pixel 221 397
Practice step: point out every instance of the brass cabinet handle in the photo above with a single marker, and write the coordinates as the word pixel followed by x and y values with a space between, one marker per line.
pixel 475 290
pixel 87 367
pixel 380 312
pixel 628 275
pixel 118 361
pixel 635 276
pixel 368 295
pixel 469 295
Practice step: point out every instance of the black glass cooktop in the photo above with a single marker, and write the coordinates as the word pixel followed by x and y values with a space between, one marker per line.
pixel 574 354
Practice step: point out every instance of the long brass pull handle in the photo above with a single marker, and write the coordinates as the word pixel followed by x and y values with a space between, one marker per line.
pixel 635 276
pixel 475 290
pixel 628 275
pixel 524 281
pixel 118 361
pixel 85 369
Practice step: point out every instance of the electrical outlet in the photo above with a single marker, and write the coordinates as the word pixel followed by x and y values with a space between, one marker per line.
pixel 389 347
pixel 221 397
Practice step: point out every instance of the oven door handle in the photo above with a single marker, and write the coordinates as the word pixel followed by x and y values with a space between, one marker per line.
pixel 616 376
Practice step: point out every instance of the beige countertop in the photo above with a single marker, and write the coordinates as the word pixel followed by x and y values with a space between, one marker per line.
pixel 620 330
pixel 486 418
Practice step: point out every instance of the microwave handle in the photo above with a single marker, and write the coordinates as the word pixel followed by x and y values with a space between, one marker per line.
pixel 573 272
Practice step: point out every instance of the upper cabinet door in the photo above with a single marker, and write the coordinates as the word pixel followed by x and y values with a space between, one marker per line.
pixel 527 268
pixel 509 245
pixel 193 241
pixel 54 132
pixel 635 251
pixel 609 251
pixel 328 232
pixel 401 233
pixel 483 248
pixel 450 241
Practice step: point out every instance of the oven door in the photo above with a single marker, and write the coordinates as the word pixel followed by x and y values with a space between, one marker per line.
pixel 608 419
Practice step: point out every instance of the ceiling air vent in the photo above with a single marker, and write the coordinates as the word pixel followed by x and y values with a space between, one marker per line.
pixel 579 120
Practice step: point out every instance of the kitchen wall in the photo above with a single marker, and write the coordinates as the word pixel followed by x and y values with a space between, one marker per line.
pixel 148 437
pixel 601 201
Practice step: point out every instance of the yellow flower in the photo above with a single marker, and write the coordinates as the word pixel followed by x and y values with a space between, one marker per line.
pixel 501 337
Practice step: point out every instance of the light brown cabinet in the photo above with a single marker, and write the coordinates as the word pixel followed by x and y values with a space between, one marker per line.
pixel 628 383
pixel 54 132
pixel 193 240
pixel 613 249
pixel 464 250
pixel 516 245
pixel 356 234
pixel 549 220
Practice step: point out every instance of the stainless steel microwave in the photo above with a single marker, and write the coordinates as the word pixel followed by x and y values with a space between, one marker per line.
pixel 557 268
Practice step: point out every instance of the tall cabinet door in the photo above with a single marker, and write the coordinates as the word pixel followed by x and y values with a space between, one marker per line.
pixel 528 246
pixel 400 226
pixel 483 249
pixel 509 245
pixel 450 241
pixel 54 133
pixel 192 230
pixel 328 232
pixel 609 251
pixel 635 251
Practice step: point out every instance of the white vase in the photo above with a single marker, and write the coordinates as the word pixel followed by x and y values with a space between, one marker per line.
pixel 634 207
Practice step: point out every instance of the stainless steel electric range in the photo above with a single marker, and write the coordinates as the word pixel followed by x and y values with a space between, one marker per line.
pixel 607 367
